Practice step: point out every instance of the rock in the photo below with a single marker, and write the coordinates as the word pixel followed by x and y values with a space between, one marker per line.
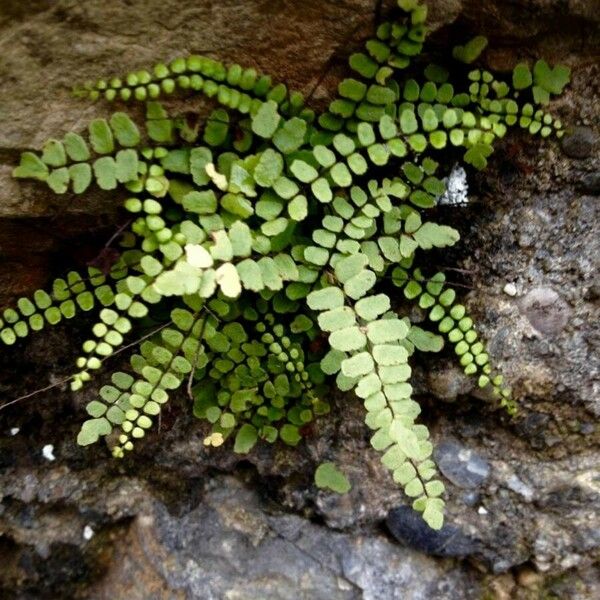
pixel 503 587
pixel 462 466
pixel 409 529
pixel 229 547
pixel 579 142
pixel 587 428
pixel 546 310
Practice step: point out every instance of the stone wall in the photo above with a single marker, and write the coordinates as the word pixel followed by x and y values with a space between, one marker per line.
pixel 178 521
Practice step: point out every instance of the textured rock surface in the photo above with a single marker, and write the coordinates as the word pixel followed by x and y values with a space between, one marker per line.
pixel 166 523
pixel 231 547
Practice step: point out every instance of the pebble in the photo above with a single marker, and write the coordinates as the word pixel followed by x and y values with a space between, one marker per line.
pixel 88 533
pixel 510 289
pixel 546 310
pixel 482 511
pixel 462 466
pixel 533 428
pixel 48 452
pixel 501 566
pixel 579 142
pixel 528 578
pixel 14 431
pixel 408 527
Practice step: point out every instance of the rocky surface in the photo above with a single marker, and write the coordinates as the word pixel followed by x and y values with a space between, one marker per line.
pixel 178 521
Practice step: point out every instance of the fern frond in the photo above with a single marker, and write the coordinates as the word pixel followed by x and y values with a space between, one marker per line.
pixel 235 87
pixel 68 163
pixel 66 298
pixel 372 360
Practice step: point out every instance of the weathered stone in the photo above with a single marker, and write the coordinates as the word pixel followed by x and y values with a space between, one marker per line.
pixel 533 427
pixel 462 466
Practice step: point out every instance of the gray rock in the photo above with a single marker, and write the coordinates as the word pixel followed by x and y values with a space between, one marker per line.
pixel 546 310
pixel 533 427
pixel 462 466
pixel 579 142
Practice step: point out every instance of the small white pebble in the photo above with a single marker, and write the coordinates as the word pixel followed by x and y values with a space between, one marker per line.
pixel 48 452
pixel 482 511
pixel 14 431
pixel 88 533
pixel 510 289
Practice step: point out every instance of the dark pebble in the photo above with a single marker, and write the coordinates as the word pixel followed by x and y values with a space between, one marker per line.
pixel 408 527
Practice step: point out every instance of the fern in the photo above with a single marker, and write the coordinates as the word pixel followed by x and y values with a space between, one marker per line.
pixel 272 227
